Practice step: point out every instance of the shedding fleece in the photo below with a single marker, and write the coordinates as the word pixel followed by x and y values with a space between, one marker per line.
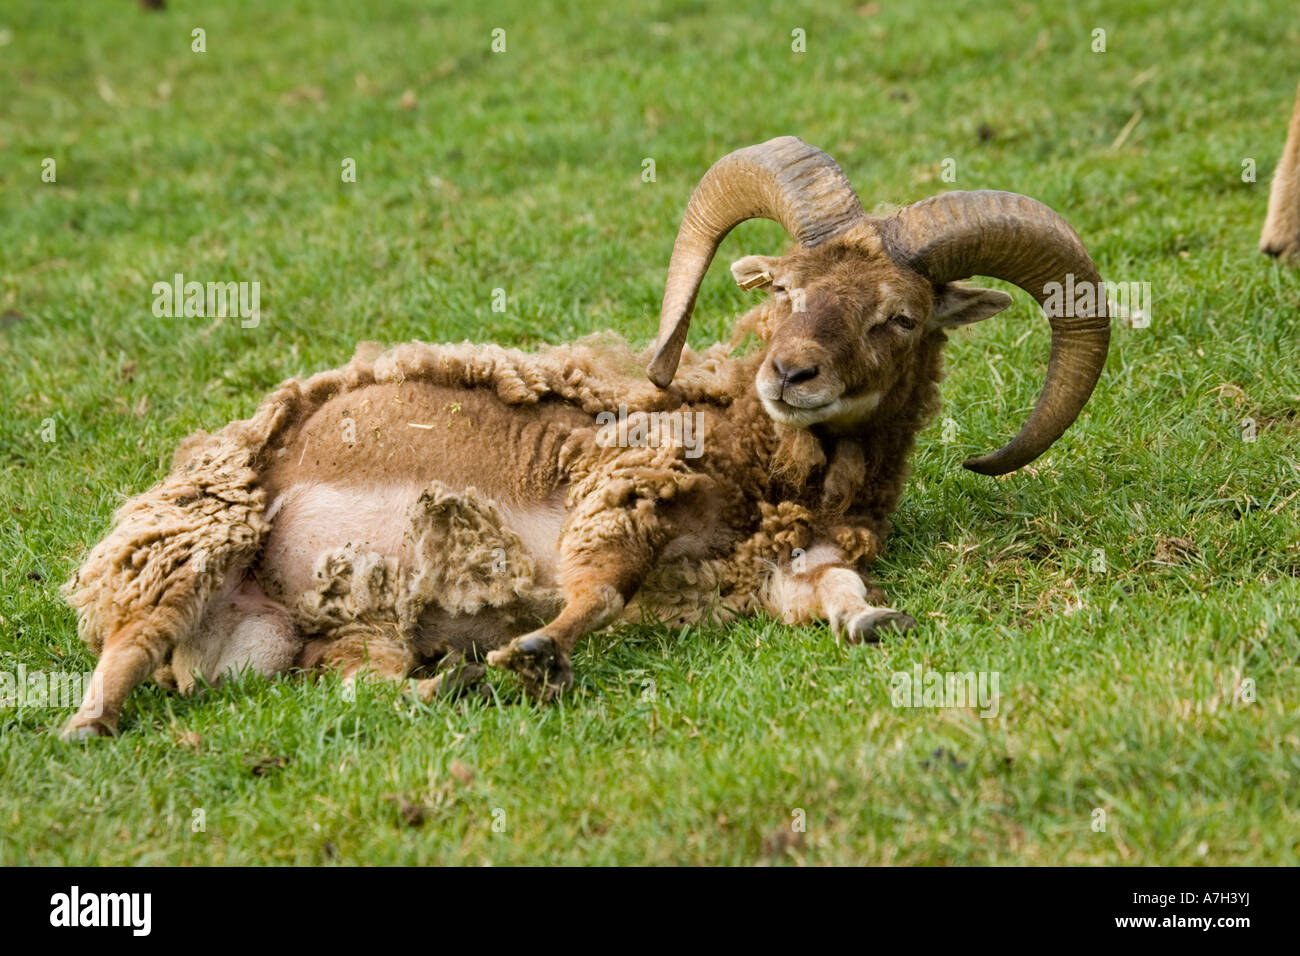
pixel 171 548
pixel 463 560
pixel 596 373
pixel 510 560
pixel 722 589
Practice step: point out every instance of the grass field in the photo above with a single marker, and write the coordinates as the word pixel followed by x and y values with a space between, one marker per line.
pixel 1135 590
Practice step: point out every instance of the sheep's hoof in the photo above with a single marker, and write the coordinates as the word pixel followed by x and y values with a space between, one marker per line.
pixel 1285 251
pixel 85 728
pixel 542 668
pixel 866 627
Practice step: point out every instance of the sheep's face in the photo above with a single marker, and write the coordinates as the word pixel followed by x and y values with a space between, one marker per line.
pixel 844 328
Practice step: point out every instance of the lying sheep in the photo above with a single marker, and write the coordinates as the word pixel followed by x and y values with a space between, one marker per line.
pixel 1281 235
pixel 429 509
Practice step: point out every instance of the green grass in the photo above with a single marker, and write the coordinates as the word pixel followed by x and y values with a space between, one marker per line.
pixel 1121 687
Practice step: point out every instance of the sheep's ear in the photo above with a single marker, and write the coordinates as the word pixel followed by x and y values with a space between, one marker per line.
pixel 754 272
pixel 956 305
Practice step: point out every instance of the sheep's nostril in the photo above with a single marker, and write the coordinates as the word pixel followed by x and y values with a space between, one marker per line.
pixel 793 376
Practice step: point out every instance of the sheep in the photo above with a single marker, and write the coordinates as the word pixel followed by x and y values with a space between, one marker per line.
pixel 425 512
pixel 1281 235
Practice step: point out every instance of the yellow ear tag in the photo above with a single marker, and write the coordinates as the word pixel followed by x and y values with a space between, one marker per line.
pixel 754 281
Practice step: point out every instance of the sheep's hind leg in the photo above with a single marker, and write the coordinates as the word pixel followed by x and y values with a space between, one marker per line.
pixel 129 656
pixel 242 630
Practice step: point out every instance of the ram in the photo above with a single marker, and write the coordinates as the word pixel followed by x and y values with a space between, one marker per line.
pixel 1281 235
pixel 432 510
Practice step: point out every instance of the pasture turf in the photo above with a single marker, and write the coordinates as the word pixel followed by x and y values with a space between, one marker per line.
pixel 1135 590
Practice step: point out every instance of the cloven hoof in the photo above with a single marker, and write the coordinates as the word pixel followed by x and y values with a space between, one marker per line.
pixel 542 668
pixel 85 729
pixel 866 627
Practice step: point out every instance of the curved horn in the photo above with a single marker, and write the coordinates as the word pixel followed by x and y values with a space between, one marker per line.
pixel 783 179
pixel 1007 236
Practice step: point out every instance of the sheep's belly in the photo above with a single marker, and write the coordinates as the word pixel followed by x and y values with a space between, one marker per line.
pixel 310 520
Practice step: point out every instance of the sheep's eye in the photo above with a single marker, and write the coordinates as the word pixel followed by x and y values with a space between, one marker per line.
pixel 903 321
pixel 778 289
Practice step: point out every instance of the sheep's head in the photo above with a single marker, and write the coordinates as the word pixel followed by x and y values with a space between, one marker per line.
pixel 844 326
pixel 857 296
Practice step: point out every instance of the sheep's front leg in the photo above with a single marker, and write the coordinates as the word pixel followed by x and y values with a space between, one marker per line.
pixel 843 597
pixel 820 585
pixel 596 584
pixel 541 658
